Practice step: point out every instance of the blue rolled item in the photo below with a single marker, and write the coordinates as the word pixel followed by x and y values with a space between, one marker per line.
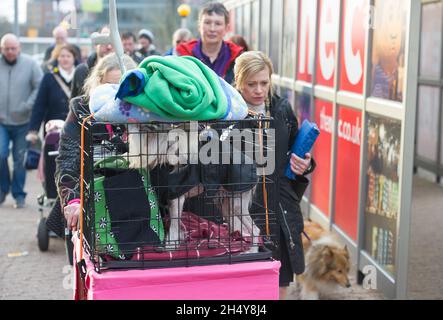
pixel 133 85
pixel 304 141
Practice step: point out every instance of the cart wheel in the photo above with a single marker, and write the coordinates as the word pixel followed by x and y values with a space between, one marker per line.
pixel 69 249
pixel 43 235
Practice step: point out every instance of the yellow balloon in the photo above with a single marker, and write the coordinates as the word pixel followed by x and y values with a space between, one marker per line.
pixel 184 10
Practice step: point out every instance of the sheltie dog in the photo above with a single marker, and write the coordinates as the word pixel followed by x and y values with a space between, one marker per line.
pixel 327 263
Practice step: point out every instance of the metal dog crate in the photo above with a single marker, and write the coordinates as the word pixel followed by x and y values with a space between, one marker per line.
pixel 135 174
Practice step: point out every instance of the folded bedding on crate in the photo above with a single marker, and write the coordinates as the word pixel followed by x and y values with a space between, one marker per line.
pixel 175 87
pixel 168 89
pixel 107 108
pixel 139 97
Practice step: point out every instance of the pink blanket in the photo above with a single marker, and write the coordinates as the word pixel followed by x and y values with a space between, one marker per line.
pixel 203 238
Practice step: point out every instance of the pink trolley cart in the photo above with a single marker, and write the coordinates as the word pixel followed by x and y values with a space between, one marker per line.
pixel 218 255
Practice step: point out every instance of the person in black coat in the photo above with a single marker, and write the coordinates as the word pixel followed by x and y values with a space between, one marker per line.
pixel 253 72
pixel 67 172
pixel 54 93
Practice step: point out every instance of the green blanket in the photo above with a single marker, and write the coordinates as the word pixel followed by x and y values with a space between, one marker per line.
pixel 179 88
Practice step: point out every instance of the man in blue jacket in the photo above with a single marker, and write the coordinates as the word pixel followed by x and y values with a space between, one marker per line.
pixel 20 77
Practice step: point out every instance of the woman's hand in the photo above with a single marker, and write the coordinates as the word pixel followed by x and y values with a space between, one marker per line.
pixel 299 165
pixel 32 137
pixel 71 212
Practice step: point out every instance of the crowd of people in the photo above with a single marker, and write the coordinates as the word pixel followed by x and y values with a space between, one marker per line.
pixel 30 96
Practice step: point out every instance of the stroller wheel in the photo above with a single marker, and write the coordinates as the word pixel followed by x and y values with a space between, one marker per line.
pixel 43 235
pixel 69 249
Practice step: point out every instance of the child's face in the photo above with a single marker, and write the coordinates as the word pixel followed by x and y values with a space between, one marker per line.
pixel 390 28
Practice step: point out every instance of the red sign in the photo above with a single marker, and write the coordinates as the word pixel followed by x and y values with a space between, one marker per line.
pixel 306 40
pixel 348 171
pixel 353 49
pixel 327 41
pixel 322 155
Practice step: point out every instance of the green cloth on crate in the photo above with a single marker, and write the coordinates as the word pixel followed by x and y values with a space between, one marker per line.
pixel 180 88
pixel 104 238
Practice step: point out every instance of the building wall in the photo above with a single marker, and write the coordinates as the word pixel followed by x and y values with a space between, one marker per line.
pixel 41 16
pixel 347 65
pixel 429 142
pixel 159 16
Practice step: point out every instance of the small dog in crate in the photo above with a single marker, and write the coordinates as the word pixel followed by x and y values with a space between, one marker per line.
pixel 327 263
pixel 149 147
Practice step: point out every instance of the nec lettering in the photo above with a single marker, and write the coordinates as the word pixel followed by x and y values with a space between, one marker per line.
pixel 326 121
pixel 187 310
pixel 327 39
pixel 349 132
pixel 307 40
pixel 353 61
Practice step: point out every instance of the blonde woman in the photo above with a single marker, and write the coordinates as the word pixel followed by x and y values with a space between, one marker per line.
pixel 54 91
pixel 253 71
pixel 68 162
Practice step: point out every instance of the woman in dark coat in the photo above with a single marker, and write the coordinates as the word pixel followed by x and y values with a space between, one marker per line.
pixel 68 161
pixel 253 72
pixel 54 93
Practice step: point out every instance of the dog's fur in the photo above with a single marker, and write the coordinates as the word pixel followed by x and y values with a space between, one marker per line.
pixel 327 263
pixel 151 149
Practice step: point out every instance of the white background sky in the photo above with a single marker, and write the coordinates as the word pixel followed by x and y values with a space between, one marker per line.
pixel 7 8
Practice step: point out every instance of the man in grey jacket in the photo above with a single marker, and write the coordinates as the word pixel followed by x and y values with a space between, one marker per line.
pixel 20 78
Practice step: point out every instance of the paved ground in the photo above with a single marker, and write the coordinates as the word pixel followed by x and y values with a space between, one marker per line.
pixel 356 292
pixel 38 275
pixel 46 275
pixel 426 253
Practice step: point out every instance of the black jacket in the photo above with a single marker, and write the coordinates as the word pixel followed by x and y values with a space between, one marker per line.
pixel 51 103
pixel 67 171
pixel 80 75
pixel 284 199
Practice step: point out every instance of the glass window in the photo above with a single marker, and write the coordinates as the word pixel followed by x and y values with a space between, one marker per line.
pixel 247 23
pixel 289 37
pixel 327 41
pixel 255 28
pixel 289 95
pixel 353 46
pixel 388 50
pixel 430 40
pixel 265 25
pixel 322 154
pixel 307 16
pixel 382 185
pixel 441 136
pixel 427 122
pixel 232 22
pixel 239 20
pixel 276 26
pixel 347 184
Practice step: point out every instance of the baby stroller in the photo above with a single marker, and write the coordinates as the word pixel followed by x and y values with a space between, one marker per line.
pixel 46 171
